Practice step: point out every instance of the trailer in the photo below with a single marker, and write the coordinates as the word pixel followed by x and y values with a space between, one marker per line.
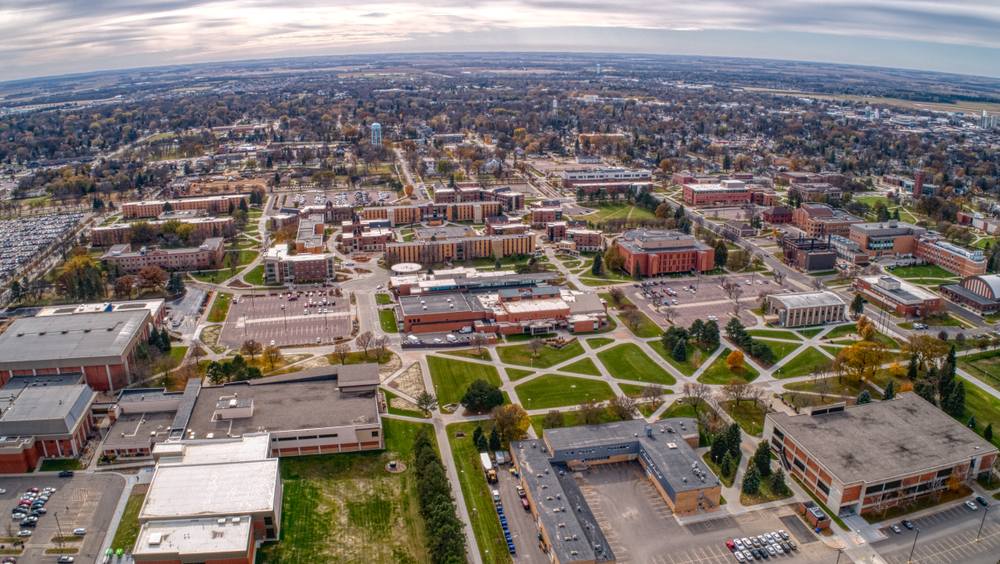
pixel 491 473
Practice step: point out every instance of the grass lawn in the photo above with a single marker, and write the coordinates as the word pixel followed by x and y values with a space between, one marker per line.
pixel 810 333
pixel 514 374
pixel 387 318
pixel 726 480
pixel 551 390
pixel 128 527
pixel 212 276
pixel 646 328
pixel 925 271
pixel 255 276
pixel 683 409
pixel 984 366
pixel 405 412
pixel 452 377
pixel 935 321
pixel 747 414
pixel 383 299
pixel 611 301
pixel 548 356
pixel 475 490
pixel 598 343
pixel 471 353
pixel 802 364
pixel 719 373
pixel 177 353
pixel 768 334
pixel 583 366
pixel 220 308
pixel 693 362
pixel 764 494
pixel 628 362
pixel 60 464
pixel 831 388
pixel 781 349
pixel 526 337
pixel 985 407
pixel 345 508
pixel 850 330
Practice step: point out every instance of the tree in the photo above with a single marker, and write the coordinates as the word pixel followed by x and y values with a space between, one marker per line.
pixel 365 341
pixel 479 341
pixel 776 483
pixel 751 480
pixel 710 335
pixel 858 305
pixel 988 432
pixel 598 268
pixel 925 349
pixel 736 390
pixel 590 412
pixel 680 351
pixel 164 340
pixel 735 361
pixel 554 418
pixel 427 403
pixel 663 211
pixel 637 274
pixel 380 346
pixel 481 442
pixel 511 422
pixel 762 459
pixel 617 295
pixel 696 393
pixel 482 396
pixel 631 316
pixel 623 407
pixel 720 448
pixel 726 466
pixel 272 356
pixel 863 397
pixel 534 345
pixel 251 348
pixel 152 277
pixel 495 443
pixel 862 359
pixel 16 292
pixel 176 284
pixel 971 423
pixel 890 391
pixel 721 254
pixel 341 351
pixel 956 400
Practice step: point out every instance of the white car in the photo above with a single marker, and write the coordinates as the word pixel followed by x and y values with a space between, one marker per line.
pixel 783 534
pixel 748 282
pixel 80 532
pixel 2 491
pixel 738 543
pixel 971 505
pixel 739 556
pixel 496 495
pixel 272 342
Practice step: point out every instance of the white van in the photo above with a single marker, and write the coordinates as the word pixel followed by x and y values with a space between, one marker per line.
pixel 451 338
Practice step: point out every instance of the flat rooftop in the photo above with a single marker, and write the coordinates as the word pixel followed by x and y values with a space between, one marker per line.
pixel 84 336
pixel 205 490
pixel 918 436
pixel 451 302
pixel 178 537
pixel 444 232
pixel 808 299
pixel 43 405
pixel 138 429
pixel 281 405
pixel 250 447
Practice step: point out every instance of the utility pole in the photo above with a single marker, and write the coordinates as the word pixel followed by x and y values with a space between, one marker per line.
pixel 62 543
pixel 985 511
pixel 910 559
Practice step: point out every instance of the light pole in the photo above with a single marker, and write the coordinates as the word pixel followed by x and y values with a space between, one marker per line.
pixel 908 560
pixel 839 552
pixel 985 511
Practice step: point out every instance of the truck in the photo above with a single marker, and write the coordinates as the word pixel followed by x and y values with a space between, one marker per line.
pixel 491 473
pixel 451 338
pixel 413 339
pixel 466 329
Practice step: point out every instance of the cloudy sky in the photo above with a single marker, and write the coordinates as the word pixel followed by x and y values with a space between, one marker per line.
pixel 46 37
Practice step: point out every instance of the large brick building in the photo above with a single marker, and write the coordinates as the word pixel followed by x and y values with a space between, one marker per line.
pixel 508 199
pixel 978 293
pixel 808 253
pixel 820 220
pixel 605 178
pixel 542 216
pixel 203 227
pixel 281 267
pixel 886 238
pixel 433 213
pixel 460 248
pixel 153 208
pixel 309 237
pixel 657 251
pixel 862 457
pixel 97 340
pixel 908 300
pixel 585 240
pixel 209 255
pixel 725 193
pixel 935 249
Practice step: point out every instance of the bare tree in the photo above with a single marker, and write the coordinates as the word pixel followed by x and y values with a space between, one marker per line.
pixel 720 279
pixel 251 348
pixel 669 313
pixel 696 393
pixel 341 351
pixel 623 407
pixel 736 309
pixel 365 341
pixel 736 390
pixel 617 294
pixel 479 340
pixel 779 277
pixel 882 502
pixel 758 395
pixel 823 388
pixel 817 284
pixel 590 412
pixel 632 317
pixel 380 346
pixel 534 345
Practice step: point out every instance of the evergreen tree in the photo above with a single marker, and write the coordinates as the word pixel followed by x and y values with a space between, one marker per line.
pixel 911 370
pixel 951 358
pixel 720 447
pixel 751 480
pixel 972 422
pixel 680 351
pixel 721 254
pixel 858 305
pixel 696 329
pixel 16 292
pixel 777 482
pixel 988 432
pixel 243 205
pixel 734 439
pixel 164 340
pixel 637 275
pixel 494 439
pixel 598 267
pixel 154 339
pixel 727 464
pixel 890 391
pixel 925 389
pixel 477 433
pixel 482 445
pixel 710 335
pixel 956 401
pixel 946 383
pixel 863 397
pixel 762 459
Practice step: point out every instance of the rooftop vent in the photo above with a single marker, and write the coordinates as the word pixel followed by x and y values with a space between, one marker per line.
pixel 221 521
pixel 671 445
pixel 236 519
pixel 154 539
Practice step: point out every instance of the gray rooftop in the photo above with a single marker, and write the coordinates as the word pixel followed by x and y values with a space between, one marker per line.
pixel 887 229
pixel 917 436
pixel 451 302
pixel 644 240
pixel 533 292
pixel 137 430
pixel 283 404
pixel 798 300
pixel 34 341
pixel 43 405
pixel 443 232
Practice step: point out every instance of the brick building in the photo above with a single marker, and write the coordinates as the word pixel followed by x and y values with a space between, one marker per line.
pixel 820 220
pixel 508 199
pixel 908 300
pixel 504 225
pixel 309 237
pixel 886 238
pixel 203 227
pixel 153 208
pixel 809 254
pixel 433 213
pixel 725 193
pixel 599 176
pixel 935 249
pixel 281 267
pixel 97 340
pixel 777 214
pixel 542 216
pixel 209 255
pixel 656 252
pixel 739 228
pixel 858 458
pixel 585 240
pixel 460 249
pixel 979 293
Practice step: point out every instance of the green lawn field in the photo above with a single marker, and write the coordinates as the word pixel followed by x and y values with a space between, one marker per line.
pixel 551 390
pixel 719 373
pixel 547 357
pixel 452 377
pixel 802 364
pixel 628 362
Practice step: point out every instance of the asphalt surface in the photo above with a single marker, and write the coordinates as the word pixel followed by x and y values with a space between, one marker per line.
pixel 946 537
pixel 263 320
pixel 189 307
pixel 85 500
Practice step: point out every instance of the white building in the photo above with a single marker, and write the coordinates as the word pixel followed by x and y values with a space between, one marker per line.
pixel 805 308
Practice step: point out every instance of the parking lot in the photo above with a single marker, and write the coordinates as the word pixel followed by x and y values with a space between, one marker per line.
pixel 640 527
pixel 266 318
pixel 24 238
pixel 947 536
pixel 709 299
pixel 84 501
pixel 519 521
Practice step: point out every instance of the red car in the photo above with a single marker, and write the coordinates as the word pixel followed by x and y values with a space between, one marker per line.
pixel 731 546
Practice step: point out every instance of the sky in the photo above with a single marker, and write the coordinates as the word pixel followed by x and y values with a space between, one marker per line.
pixel 51 37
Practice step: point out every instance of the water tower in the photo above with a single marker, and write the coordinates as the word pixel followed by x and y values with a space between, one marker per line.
pixel 376 134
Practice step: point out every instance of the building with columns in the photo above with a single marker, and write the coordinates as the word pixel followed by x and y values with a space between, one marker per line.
pixel 805 308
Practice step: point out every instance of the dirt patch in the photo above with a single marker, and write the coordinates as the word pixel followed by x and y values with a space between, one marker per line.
pixel 403 403
pixel 410 382
pixel 238 284
pixel 317 362
pixel 389 368
pixel 210 336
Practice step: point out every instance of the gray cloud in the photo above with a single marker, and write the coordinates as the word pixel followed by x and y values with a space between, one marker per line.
pixel 54 36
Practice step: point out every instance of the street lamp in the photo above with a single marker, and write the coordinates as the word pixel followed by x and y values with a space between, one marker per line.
pixel 910 559
pixel 985 511
pixel 839 552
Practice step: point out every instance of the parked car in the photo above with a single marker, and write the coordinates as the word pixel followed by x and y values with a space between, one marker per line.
pixel 982 501
pixel 65 474
pixel 783 534
pixel 65 560
pixel 896 529
pixel 971 505
pixel 907 524
pixel 79 531
pixel 24 533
